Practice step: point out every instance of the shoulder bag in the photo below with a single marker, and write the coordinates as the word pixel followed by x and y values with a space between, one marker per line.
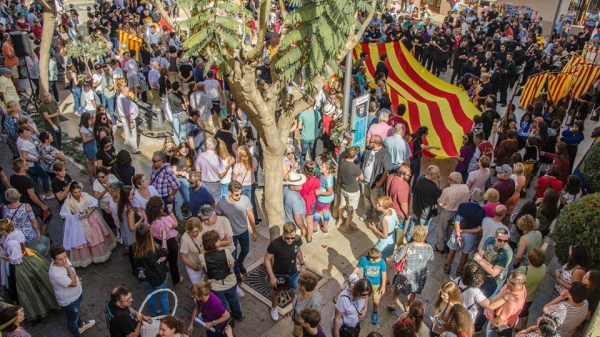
pixel 349 331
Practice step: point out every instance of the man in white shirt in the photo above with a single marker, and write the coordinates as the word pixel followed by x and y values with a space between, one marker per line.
pixel 97 81
pixel 153 77
pixel 154 35
pixel 67 289
pixel 117 72
pixel 131 69
pixel 570 309
pixel 128 111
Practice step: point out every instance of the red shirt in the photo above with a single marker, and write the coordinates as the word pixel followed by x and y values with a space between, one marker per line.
pixel 398 190
pixel 37 32
pixel 546 182
pixel 328 122
pixel 394 119
pixel 486 148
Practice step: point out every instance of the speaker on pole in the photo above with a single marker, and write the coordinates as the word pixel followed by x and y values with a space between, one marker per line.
pixel 20 41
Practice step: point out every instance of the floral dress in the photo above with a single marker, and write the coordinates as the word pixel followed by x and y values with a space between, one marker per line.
pixel 414 276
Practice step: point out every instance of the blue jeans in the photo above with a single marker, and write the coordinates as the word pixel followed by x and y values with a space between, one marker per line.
pixel 109 104
pixel 179 131
pixel 37 172
pixel 76 91
pixel 308 145
pixel 244 240
pixel 249 192
pixel 115 44
pixel 184 190
pixel 73 319
pixel 163 298
pixel 229 297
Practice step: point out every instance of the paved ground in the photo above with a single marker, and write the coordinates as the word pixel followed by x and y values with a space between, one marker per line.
pixel 333 256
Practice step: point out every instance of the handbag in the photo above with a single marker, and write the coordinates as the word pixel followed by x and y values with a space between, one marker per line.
pixel 399 266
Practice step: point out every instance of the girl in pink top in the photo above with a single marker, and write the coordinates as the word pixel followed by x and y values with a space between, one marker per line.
pixel 160 221
pixel 307 193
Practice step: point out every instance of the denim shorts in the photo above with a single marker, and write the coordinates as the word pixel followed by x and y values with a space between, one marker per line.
pixel 469 242
pixel 293 281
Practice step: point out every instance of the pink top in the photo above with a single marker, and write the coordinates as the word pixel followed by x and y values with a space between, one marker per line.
pixel 381 129
pixel 165 223
pixel 490 209
pixel 308 193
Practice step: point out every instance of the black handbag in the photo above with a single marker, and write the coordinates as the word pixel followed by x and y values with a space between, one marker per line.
pixel 349 331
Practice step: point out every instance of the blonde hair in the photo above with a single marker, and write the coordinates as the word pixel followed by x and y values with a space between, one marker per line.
pixel 244 158
pixel 386 202
pixel 193 222
pixel 201 288
pixel 419 233
pixel 518 168
pixel 289 227
pixel 451 289
pixel 6 225
pixel 491 195
pixel 222 149
pixel 526 223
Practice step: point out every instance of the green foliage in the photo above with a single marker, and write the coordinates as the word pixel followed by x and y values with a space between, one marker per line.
pixel 578 224
pixel 591 168
pixel 314 34
pixel 87 47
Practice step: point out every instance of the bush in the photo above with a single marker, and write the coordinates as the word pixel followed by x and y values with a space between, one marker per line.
pixel 591 171
pixel 579 223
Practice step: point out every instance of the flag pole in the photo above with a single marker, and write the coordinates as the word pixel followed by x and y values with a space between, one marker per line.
pixel 514 91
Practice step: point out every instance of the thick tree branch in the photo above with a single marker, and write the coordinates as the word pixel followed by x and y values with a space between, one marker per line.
pixel 353 39
pixel 282 9
pixel 263 18
pixel 163 13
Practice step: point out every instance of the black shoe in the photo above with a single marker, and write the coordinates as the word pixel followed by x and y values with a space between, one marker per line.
pixel 243 270
pixel 503 105
pixel 184 212
pixel 439 251
pixel 258 222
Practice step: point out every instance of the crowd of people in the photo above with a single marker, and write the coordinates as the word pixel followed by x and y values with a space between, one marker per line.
pixel 205 178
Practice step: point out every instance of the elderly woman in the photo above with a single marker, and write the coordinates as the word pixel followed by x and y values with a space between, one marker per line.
pixel 417 255
pixel 87 236
pixel 24 220
pixel 531 238
pixel 190 248
pixel 491 198
pixel 290 162
pixel 307 296
pixel 48 153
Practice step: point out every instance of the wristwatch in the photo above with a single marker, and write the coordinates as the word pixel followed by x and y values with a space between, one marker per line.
pixel 215 322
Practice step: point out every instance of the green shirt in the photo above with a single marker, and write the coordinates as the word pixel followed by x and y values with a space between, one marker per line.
pixel 310 121
pixel 534 278
pixel 49 108
pixel 498 257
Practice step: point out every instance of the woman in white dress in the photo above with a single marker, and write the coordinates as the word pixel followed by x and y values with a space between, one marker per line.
pixel 86 235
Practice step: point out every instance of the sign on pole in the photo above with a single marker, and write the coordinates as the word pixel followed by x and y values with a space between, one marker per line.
pixel 358 120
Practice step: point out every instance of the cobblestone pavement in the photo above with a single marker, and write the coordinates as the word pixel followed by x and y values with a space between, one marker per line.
pixel 333 256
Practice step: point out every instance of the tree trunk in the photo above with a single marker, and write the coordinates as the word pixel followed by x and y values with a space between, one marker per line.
pixel 273 191
pixel 49 19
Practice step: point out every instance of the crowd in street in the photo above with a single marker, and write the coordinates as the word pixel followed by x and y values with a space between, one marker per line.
pixel 204 179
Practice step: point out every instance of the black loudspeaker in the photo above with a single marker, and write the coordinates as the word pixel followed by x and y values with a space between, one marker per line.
pixel 20 41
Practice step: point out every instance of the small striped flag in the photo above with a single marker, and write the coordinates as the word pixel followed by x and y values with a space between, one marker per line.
pixel 532 88
pixel 129 42
pixel 586 75
pixel 559 86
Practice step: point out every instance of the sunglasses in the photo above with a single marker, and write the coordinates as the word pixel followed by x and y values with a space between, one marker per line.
pixel 156 161
pixel 501 241
pixel 289 238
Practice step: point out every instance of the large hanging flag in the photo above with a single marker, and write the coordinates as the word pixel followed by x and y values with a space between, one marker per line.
pixel 574 63
pixel 129 42
pixel 559 86
pixel 532 88
pixel 585 76
pixel 444 108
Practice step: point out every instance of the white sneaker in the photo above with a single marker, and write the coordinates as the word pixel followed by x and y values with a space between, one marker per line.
pixel 274 314
pixel 239 291
pixel 87 325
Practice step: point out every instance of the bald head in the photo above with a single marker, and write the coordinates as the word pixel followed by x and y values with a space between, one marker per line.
pixel 455 178
pixel 376 142
pixel 500 211
pixel 433 172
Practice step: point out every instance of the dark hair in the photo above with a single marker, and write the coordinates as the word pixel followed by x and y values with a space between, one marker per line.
pixel 44 135
pixel 154 209
pixel 579 292
pixel 8 314
pixel 578 257
pixel 361 286
pixel 470 141
pixel 56 250
pixel 85 120
pixel 311 316
pixel 105 140
pixel 124 201
pixel 420 132
pixel 401 109
pixel 191 153
pixel 459 320
pixel 123 159
pixel 404 327
pixel 548 325
pixel 511 134
pixel 472 275
pixel 308 280
pixel 594 280
pixel 117 293
pixel 74 185
pixel 226 123
pixel 536 257
pixel 175 86
pixel 234 186
pixel 549 206
pixel 101 169
pixel 561 151
pixel 416 313
pixel 209 240
pixel 573 185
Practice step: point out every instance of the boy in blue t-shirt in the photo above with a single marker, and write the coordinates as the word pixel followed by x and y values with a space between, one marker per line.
pixel 374 270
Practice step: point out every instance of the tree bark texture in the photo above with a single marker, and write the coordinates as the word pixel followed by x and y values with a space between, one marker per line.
pixel 49 19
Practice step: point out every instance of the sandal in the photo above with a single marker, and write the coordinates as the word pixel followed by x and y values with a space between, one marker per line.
pixel 391 307
pixel 446 269
pixel 458 272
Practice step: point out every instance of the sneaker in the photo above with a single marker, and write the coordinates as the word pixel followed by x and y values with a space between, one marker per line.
pixel 184 212
pixel 364 217
pixel 239 291
pixel 87 325
pixel 374 318
pixel 324 230
pixel 258 222
pixel 274 314
pixel 243 270
pixel 316 231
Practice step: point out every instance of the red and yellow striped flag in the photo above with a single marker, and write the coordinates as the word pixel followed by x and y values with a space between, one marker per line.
pixel 574 63
pixel 559 86
pixel 129 42
pixel 532 88
pixel 442 107
pixel 585 76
